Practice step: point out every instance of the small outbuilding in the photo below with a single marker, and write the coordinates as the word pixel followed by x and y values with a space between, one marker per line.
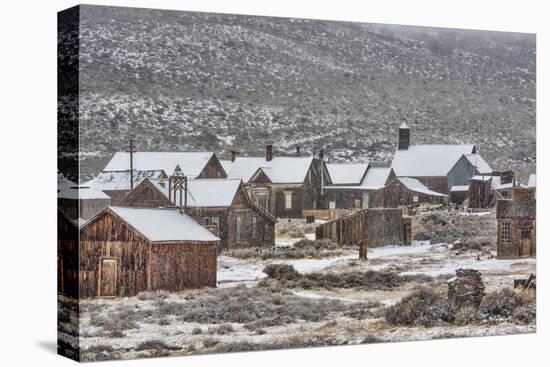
pixel 406 191
pixel 124 251
pixel 516 235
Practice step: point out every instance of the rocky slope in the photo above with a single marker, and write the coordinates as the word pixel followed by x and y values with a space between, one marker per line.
pixel 194 81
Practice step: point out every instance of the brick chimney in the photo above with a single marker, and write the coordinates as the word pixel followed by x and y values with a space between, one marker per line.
pixel 233 155
pixel 268 152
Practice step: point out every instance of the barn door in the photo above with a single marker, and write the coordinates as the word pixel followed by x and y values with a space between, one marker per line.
pixel 107 277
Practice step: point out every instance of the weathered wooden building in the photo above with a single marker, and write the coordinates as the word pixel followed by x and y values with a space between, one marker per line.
pixel 355 183
pixel 368 228
pixel 516 234
pixel 405 191
pixel 221 205
pixel 67 255
pixel 124 251
pixel 115 179
pixel 438 166
pixel 81 203
pixel 484 191
pixel 284 186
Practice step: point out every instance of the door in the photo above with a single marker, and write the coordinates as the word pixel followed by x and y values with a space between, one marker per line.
pixel 365 200
pixel 526 247
pixel 107 277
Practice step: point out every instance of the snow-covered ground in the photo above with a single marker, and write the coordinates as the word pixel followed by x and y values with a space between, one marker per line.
pixel 422 257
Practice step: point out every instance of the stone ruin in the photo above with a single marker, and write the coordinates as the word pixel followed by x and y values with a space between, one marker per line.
pixel 466 289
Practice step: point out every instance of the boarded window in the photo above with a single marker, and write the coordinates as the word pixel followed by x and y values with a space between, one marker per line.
pixel 506 231
pixel 238 230
pixel 254 224
pixel 288 200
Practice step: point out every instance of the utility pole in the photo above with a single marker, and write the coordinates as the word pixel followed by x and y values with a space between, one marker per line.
pixel 131 150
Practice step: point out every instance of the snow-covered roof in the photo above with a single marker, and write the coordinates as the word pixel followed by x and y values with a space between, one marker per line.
pixel 428 160
pixel 120 180
pixel 82 192
pixel 375 178
pixel 417 186
pixel 532 180
pixel 208 192
pixel 164 224
pixel 477 161
pixel 347 173
pixel 404 125
pixel 192 163
pixel 63 182
pixel 279 169
pixel 460 188
pixel 482 177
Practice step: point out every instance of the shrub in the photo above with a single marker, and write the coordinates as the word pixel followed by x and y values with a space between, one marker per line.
pixel 210 342
pixel 281 271
pixel 424 307
pixel 155 344
pixel 196 331
pixel 152 295
pixel 507 304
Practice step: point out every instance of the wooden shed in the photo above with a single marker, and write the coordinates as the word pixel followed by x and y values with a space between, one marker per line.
pixel 368 228
pixel 124 251
pixel 405 191
pixel 516 235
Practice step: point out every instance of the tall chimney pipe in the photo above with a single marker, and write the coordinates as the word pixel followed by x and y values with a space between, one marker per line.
pixel 233 155
pixel 297 150
pixel 268 152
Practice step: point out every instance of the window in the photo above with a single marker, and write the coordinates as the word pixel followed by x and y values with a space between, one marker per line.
pixel 506 231
pixel 238 229
pixel 357 203
pixel 205 221
pixel 415 199
pixel 288 200
pixel 504 194
pixel 254 223
pixel 365 200
pixel 265 235
pixel 215 221
pixel 525 233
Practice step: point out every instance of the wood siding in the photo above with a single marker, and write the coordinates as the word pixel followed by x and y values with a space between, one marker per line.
pixel 396 195
pixel 371 227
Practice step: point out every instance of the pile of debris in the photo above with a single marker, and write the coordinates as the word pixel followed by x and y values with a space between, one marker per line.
pixel 466 289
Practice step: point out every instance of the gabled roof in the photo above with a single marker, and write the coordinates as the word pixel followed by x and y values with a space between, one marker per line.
pixel 417 186
pixel 428 160
pixel 63 182
pixel 159 225
pixel 347 173
pixel 376 177
pixel 207 192
pixel 192 163
pixel 120 180
pixel 477 161
pixel 82 193
pixel 279 169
